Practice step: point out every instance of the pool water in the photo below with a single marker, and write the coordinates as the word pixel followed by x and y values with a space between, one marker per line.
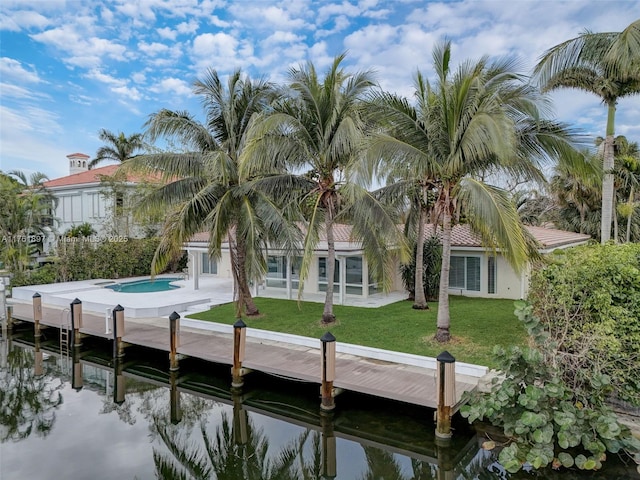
pixel 145 286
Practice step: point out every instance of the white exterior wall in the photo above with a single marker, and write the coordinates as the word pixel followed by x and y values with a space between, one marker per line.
pixel 86 204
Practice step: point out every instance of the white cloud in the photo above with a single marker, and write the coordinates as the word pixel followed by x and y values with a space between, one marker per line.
pixel 22 20
pixel 173 86
pixel 187 27
pixel 153 49
pixel 167 33
pixel 132 93
pixel 14 70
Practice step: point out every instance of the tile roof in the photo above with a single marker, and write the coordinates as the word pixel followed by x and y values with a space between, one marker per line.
pixel 461 236
pixel 89 176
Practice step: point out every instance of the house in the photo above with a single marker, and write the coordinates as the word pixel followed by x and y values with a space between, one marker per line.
pixel 82 197
pixel 475 271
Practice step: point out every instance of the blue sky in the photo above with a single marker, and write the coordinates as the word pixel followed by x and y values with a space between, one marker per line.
pixel 69 68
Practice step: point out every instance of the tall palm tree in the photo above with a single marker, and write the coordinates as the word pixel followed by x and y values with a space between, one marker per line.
pixel 482 118
pixel 607 65
pixel 204 189
pixel 316 131
pixel 626 179
pixel 576 189
pixel 402 148
pixel 119 148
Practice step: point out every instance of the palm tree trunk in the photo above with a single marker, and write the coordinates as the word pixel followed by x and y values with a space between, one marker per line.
pixel 242 292
pixel 627 237
pixel 243 282
pixel 444 321
pixel 327 314
pixel 607 182
pixel 420 301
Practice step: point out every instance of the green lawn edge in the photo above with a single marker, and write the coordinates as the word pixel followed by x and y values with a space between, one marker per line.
pixel 477 325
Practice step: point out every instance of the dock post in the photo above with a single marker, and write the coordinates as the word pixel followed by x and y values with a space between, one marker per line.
pixel 328 370
pixel 446 466
pixel 76 321
pixel 239 342
pixel 174 320
pixel 175 414
pixel 37 313
pixel 9 318
pixel 38 361
pixel 446 391
pixel 119 386
pixel 76 375
pixel 118 331
pixel 240 429
pixel 329 469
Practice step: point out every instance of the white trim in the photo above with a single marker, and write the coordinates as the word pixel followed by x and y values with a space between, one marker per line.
pixel 346 348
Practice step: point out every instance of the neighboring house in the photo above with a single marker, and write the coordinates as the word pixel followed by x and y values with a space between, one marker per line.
pixel 475 271
pixel 81 197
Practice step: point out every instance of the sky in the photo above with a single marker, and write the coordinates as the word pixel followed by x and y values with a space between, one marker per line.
pixel 69 68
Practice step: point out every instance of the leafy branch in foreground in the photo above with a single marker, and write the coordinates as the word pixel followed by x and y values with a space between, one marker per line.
pixel 548 422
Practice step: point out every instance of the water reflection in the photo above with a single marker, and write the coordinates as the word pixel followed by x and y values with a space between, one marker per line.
pixel 134 420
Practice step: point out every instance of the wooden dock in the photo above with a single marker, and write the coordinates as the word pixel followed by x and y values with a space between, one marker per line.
pixel 396 381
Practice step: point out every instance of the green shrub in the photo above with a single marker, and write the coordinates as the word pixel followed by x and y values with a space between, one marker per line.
pixel 432 255
pixel 548 422
pixel 588 299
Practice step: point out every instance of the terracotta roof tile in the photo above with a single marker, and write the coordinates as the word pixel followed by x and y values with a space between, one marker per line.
pixel 90 176
pixel 461 236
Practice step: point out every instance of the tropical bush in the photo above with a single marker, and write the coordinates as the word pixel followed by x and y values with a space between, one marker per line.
pixel 82 258
pixel 547 421
pixel 432 255
pixel 588 300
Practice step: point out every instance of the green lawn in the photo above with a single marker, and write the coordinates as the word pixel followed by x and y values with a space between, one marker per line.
pixel 477 324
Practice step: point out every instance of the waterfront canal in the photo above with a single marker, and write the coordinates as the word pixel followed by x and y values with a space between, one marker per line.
pixel 83 416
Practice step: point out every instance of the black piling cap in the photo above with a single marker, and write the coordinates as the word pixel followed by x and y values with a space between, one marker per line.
pixel 174 316
pixel 76 301
pixel 119 308
pixel 327 337
pixel 36 295
pixel 445 357
pixel 239 324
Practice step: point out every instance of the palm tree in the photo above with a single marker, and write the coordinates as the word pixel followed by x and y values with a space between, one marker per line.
pixel 626 178
pixel 316 131
pixel 402 148
pixel 203 189
pixel 482 118
pixel 119 148
pixel 576 188
pixel 607 65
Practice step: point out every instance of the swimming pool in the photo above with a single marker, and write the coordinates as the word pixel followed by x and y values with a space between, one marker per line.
pixel 145 286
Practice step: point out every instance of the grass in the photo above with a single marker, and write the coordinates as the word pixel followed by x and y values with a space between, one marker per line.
pixel 477 324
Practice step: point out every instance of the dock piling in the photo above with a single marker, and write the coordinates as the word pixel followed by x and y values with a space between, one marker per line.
pixel 9 318
pixel 76 321
pixel 329 458
pixel 76 377
pixel 328 370
pixel 118 331
pixel 175 414
pixel 445 387
pixel 37 313
pixel 174 332
pixel 239 343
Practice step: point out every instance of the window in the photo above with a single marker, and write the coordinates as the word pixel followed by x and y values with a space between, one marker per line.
pixel 491 274
pixel 354 275
pixel 277 271
pixel 322 275
pixel 209 265
pixel 464 273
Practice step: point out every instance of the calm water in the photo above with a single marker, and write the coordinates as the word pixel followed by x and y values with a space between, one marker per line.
pixel 145 286
pixel 88 418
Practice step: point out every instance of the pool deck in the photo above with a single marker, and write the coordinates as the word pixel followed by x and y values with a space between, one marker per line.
pixel 96 298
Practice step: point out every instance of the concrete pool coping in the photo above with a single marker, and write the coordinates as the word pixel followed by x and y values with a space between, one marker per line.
pixel 96 298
